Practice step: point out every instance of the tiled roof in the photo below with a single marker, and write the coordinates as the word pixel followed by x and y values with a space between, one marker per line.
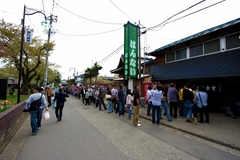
pixel 210 30
pixel 225 64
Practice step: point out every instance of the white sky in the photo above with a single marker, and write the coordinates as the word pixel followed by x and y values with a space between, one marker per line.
pixel 79 52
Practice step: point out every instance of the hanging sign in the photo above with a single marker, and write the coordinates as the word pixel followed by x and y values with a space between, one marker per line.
pixel 130 50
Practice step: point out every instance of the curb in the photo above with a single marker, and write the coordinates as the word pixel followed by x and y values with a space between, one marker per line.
pixel 197 135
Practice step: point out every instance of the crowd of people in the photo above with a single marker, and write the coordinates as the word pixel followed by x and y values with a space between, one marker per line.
pixel 188 102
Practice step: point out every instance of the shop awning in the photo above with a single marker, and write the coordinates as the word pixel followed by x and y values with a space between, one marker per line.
pixel 225 64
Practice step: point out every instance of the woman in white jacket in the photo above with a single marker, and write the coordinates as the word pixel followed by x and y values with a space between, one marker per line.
pixel 129 100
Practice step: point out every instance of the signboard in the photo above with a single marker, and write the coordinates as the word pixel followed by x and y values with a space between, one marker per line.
pixel 28 36
pixel 130 50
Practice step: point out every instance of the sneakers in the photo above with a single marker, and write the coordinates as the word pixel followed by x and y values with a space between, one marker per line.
pixel 34 134
pixel 138 125
pixel 38 128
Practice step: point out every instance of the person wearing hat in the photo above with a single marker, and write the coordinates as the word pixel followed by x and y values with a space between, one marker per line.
pixel 36 115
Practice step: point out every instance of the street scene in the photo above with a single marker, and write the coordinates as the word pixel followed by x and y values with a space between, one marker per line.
pixel 119 80
pixel 87 133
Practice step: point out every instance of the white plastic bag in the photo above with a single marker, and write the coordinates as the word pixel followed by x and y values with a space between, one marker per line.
pixel 46 115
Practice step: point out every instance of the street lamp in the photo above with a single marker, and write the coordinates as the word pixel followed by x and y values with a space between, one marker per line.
pixel 21 48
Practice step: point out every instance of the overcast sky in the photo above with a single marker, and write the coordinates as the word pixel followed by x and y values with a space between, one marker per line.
pixel 80 22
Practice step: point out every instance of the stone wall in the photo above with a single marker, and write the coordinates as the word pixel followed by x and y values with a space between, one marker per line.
pixel 10 121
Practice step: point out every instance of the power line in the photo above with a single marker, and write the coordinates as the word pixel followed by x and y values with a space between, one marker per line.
pixel 88 18
pixel 110 55
pixel 121 11
pixel 195 12
pixel 151 28
pixel 92 34
pixel 43 7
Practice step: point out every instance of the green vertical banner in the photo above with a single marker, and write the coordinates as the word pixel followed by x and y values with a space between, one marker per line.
pixel 130 50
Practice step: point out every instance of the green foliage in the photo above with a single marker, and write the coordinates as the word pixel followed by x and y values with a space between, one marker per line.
pixel 92 72
pixel 13 100
pixel 34 56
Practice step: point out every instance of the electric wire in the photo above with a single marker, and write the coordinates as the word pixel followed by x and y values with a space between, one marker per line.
pixel 43 6
pixel 122 11
pixel 195 11
pixel 88 18
pixel 33 25
pixel 92 34
pixel 110 55
pixel 151 28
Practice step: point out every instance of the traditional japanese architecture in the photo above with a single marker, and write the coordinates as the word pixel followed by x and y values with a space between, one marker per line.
pixel 210 58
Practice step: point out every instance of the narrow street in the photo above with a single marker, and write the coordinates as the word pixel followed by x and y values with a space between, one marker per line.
pixel 86 133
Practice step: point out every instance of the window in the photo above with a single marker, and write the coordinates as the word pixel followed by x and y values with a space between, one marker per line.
pixel 196 50
pixel 181 54
pixel 233 41
pixel 171 56
pixel 212 46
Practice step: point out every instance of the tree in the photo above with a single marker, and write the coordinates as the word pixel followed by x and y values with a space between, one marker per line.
pixel 92 72
pixel 33 55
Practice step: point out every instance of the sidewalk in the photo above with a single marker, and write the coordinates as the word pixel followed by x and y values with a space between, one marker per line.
pixel 221 129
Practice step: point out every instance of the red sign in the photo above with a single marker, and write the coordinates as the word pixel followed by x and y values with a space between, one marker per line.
pixel 145 88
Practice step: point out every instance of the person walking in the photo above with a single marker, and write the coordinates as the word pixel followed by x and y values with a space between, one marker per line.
pixel 36 115
pixel 60 100
pixel 49 93
pixel 156 104
pixel 109 100
pixel 136 106
pixel 173 100
pixel 129 101
pixel 201 99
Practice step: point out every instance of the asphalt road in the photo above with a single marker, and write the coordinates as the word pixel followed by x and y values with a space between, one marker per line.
pixel 85 133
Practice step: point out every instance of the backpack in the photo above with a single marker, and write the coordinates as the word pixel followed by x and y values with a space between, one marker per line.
pixel 36 104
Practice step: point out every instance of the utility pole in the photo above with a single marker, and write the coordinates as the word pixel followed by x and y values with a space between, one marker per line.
pixel 21 49
pixel 51 18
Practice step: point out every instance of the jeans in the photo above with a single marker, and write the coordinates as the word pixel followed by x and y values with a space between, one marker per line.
pixel 149 107
pixel 165 106
pixel 97 103
pixel 109 109
pixel 129 111
pixel 101 102
pixel 173 109
pixel 49 100
pixel 188 106
pixel 135 115
pixel 121 107
pixel 58 111
pixel 181 107
pixel 36 118
pixel 157 109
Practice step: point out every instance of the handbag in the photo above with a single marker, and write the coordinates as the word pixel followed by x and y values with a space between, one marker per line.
pixel 163 98
pixel 108 96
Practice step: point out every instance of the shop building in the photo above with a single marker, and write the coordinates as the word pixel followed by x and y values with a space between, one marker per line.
pixel 210 58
